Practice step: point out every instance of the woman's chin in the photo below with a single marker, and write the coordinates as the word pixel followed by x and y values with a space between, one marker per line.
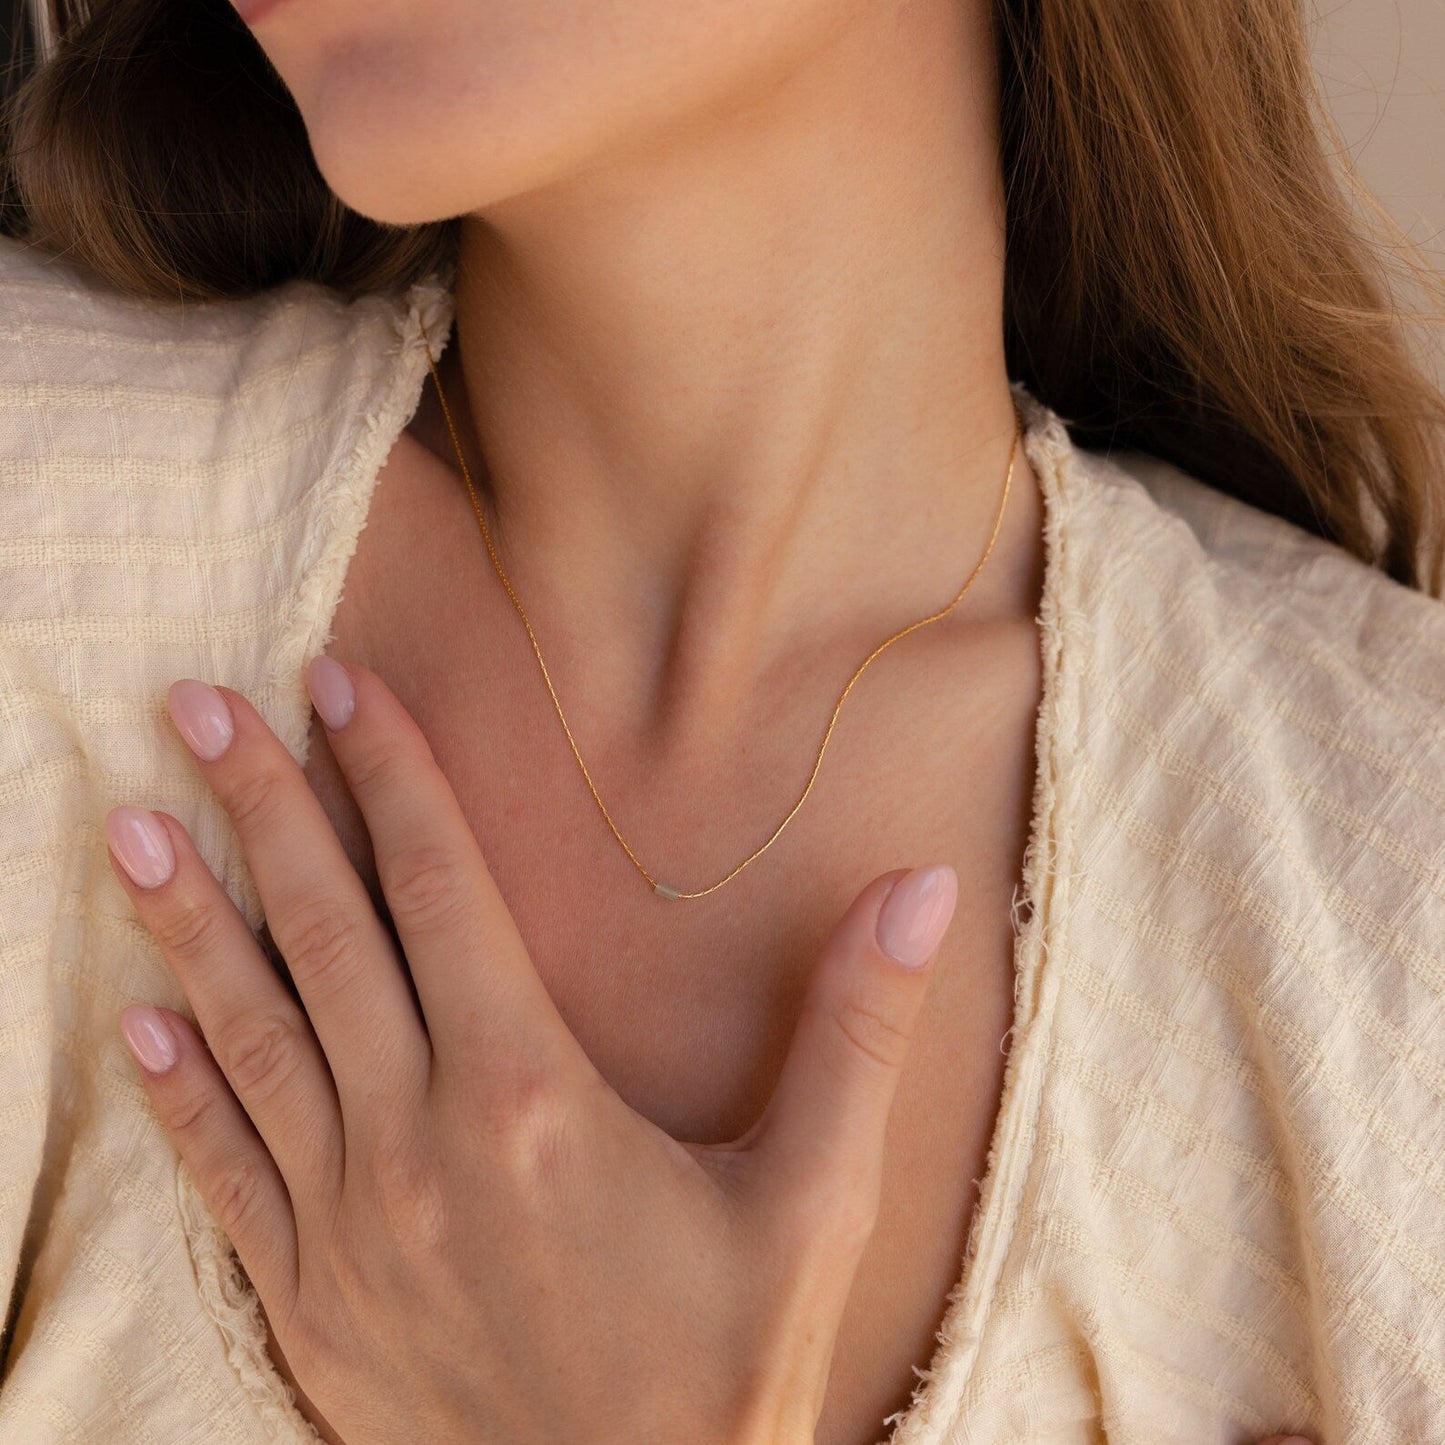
pixel 389 200
pixel 406 191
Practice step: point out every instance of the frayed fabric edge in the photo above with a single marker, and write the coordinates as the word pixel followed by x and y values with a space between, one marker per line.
pixel 938 1398
pixel 423 314
pixel 235 1308
pixel 336 525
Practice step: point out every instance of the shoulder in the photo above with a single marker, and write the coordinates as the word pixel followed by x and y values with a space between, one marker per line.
pixel 1241 593
pixel 1245 700
pixel 153 443
pixel 1246 902
pixel 105 387
pixel 40 286
pixel 183 484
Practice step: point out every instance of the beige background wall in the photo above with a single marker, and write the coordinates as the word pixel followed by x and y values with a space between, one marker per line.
pixel 1381 65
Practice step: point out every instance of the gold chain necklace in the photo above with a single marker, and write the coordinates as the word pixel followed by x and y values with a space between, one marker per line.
pixel 663 890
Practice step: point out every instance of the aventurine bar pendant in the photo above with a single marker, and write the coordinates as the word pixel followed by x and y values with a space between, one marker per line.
pixel 663 891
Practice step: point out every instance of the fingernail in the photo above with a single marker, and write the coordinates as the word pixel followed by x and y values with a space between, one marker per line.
pixel 150 1040
pixel 331 691
pixel 916 913
pixel 202 718
pixel 141 845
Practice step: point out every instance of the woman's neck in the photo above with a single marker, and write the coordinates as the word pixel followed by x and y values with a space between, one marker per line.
pixel 742 389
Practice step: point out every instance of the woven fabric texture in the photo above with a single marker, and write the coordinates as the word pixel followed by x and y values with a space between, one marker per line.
pixel 1215 1200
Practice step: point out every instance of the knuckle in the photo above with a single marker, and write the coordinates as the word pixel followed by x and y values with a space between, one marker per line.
pixel 191 928
pixel 375 770
pixel 854 1215
pixel 322 945
pixel 529 1124
pixel 236 1195
pixel 832 1213
pixel 871 1032
pixel 235 1191
pixel 423 884
pixel 409 1193
pixel 317 1335
pixel 261 1056
pixel 192 1116
pixel 255 800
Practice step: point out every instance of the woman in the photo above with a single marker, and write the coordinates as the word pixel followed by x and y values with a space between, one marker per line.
pixel 731 310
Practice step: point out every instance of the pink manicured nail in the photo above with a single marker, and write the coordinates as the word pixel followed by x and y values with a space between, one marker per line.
pixel 916 912
pixel 141 844
pixel 202 718
pixel 150 1040
pixel 331 691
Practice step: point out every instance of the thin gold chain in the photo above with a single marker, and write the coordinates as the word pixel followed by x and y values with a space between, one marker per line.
pixel 662 889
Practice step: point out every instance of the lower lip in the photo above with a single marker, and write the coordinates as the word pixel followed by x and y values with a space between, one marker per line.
pixel 253 10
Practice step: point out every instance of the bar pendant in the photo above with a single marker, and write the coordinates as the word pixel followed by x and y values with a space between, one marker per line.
pixel 663 891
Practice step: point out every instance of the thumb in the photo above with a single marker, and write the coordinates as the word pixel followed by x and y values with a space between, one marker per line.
pixel 823 1128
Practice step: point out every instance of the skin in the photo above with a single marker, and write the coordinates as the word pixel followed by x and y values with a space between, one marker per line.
pixel 438 1197
pixel 728 331
pixel 741 267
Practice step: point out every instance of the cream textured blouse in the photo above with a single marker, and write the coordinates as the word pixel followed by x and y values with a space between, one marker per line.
pixel 1215 1200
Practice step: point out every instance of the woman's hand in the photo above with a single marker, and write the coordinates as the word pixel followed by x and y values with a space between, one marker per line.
pixel 458 1230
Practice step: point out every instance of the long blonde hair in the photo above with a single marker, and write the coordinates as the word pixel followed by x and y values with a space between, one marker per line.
pixel 1186 273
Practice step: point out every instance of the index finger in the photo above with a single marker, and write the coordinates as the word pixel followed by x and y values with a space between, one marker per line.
pixel 336 949
pixel 480 993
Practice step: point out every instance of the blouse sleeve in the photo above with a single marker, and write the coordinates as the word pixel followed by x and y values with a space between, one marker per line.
pixel 180 489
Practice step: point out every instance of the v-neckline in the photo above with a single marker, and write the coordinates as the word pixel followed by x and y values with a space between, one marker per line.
pixel 341 503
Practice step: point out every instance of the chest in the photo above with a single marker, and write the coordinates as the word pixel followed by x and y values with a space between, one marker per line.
pixel 688 1008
